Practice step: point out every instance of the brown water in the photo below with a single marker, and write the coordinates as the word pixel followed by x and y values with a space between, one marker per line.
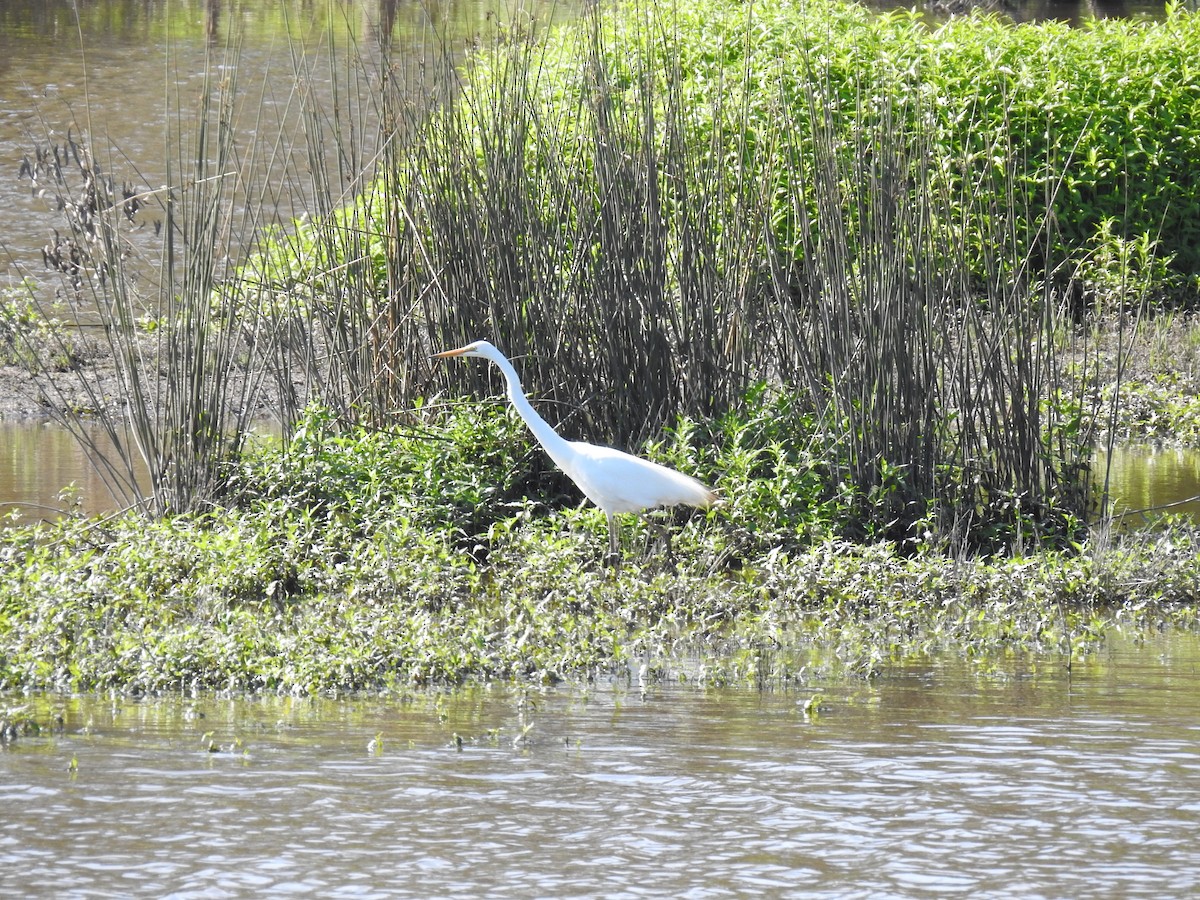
pixel 933 780
pixel 44 473
pixel 122 73
pixel 1150 482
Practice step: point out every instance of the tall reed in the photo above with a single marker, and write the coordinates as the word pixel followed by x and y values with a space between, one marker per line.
pixel 640 274
pixel 181 342
pixel 317 284
pixel 584 238
pixel 939 365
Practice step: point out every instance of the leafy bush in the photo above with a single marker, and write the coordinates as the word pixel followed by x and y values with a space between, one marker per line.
pixel 459 467
pixel 1094 123
pixel 290 604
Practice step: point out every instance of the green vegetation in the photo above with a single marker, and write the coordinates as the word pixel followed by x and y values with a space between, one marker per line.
pixel 688 217
pixel 875 282
pixel 362 561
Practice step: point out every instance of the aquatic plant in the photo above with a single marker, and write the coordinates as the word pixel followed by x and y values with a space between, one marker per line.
pixel 295 604
pixel 359 560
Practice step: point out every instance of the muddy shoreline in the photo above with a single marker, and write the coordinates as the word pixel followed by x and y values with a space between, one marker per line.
pixel 80 376
pixel 49 389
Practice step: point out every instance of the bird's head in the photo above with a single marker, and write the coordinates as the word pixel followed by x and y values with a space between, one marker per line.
pixel 478 348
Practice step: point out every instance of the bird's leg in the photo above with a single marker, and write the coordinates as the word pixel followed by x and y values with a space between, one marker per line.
pixel 614 541
pixel 658 538
pixel 672 567
pixel 664 533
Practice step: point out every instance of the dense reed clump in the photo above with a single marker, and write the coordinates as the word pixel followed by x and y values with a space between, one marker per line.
pixel 153 267
pixel 659 211
pixel 650 245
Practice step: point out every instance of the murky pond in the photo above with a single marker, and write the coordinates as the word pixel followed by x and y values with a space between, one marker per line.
pixel 932 780
pixel 44 473
pixel 1148 483
pixel 123 75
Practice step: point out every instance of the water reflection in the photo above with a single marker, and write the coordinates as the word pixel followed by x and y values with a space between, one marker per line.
pixel 1147 483
pixel 44 472
pixel 933 779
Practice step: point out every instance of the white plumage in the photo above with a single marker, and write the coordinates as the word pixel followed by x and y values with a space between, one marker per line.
pixel 615 481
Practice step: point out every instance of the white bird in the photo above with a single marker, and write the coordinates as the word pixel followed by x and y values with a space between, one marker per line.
pixel 615 481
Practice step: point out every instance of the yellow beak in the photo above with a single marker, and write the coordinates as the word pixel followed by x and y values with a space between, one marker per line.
pixel 445 354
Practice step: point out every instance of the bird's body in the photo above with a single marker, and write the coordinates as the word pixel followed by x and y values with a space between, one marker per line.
pixel 615 481
pixel 618 482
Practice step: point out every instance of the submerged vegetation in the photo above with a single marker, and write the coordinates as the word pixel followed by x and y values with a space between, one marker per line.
pixel 857 273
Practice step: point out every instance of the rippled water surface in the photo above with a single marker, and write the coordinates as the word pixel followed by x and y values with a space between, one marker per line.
pixel 933 780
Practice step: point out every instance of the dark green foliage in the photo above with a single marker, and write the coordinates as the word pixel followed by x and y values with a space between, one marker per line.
pixel 775 472
pixel 1097 123
pixel 1109 109
pixel 654 211
pixel 456 469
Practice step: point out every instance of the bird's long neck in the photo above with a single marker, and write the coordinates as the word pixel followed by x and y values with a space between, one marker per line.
pixel 555 445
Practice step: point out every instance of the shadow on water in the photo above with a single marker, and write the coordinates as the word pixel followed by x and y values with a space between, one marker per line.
pixel 934 779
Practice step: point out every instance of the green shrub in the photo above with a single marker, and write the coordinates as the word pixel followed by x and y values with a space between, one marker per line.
pixel 1097 123
pixel 458 466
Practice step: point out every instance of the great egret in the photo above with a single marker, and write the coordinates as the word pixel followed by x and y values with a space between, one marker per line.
pixel 615 481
